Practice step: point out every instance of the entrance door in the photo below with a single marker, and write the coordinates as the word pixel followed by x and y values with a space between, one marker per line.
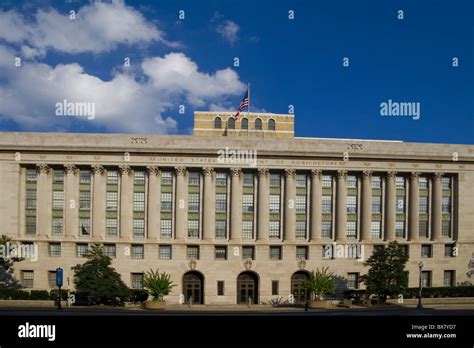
pixel 297 289
pixel 193 287
pixel 247 288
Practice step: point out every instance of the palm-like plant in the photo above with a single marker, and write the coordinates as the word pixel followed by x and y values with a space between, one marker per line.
pixel 319 283
pixel 158 284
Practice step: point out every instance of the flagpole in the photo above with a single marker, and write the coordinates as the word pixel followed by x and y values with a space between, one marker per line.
pixel 248 108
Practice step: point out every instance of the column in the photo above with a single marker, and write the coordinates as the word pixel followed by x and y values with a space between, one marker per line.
pixel 154 202
pixel 98 202
pixel 436 211
pixel 390 205
pixel 180 211
pixel 341 209
pixel 414 209
pixel 236 205
pixel 126 202
pixel 263 214
pixel 366 206
pixel 290 201
pixel 45 200
pixel 316 201
pixel 71 197
pixel 209 204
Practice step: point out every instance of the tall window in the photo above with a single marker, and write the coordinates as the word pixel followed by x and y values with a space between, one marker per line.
pixel 423 228
pixel 84 226
pixel 271 124
pixel 137 281
pixel 112 177
pixel 351 204
pixel 274 232
pixel 248 179
pixel 217 123
pixel 448 278
pixel 221 179
pixel 426 251
pixel 449 250
pixel 399 229
pixel 400 182
pixel 327 204
pixel 446 183
pixel 301 180
pixel 351 229
pixel 446 228
pixel 193 204
pixel 423 204
pixel 110 250
pixel 138 228
pixel 274 203
pixel 376 204
pixel 165 252
pixel 300 204
pixel 139 201
pixel 221 203
pixel 446 204
pixel 247 201
pixel 353 280
pixel 165 228
pixel 58 226
pixel 275 180
pixel 166 204
pixel 375 230
pixel 220 252
pixel 111 227
pixel 423 183
pixel 82 249
pixel 27 278
pixel 231 123
pixel 193 178
pixel 54 249
pixel 245 123
pixel 275 253
pixel 400 204
pixel 301 252
pixel 248 253
pixel 85 177
pixel 31 175
pixel 138 251
pixel 326 229
pixel 426 279
pixel 111 200
pixel 247 229
pixel 327 181
pixel 139 178
pixel 301 229
pixel 221 229
pixel 167 178
pixel 31 225
pixel 258 124
pixel 30 199
pixel 192 252
pixel 58 176
pixel 376 182
pixel 351 181
pixel 193 228
pixel 52 279
pixel 84 200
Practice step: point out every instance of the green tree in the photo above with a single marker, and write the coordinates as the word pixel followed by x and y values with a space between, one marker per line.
pixel 7 280
pixel 319 283
pixel 387 275
pixel 158 284
pixel 96 278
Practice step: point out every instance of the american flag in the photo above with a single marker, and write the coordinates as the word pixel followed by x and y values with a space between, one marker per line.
pixel 244 104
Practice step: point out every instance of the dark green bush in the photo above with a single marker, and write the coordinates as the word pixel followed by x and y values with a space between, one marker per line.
pixel 137 296
pixel 39 295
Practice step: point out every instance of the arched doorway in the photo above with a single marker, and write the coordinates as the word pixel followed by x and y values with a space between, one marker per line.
pixel 299 293
pixel 247 288
pixel 193 287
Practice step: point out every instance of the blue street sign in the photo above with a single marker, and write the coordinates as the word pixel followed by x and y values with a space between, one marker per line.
pixel 59 276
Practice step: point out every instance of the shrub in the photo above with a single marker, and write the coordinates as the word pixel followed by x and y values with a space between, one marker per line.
pixel 136 295
pixel 39 295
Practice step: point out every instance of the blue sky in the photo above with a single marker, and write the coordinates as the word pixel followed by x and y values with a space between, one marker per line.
pixel 287 62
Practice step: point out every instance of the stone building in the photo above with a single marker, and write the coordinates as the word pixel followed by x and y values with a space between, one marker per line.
pixel 241 209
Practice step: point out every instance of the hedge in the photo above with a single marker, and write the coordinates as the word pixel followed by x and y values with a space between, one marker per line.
pixel 444 291
pixel 20 294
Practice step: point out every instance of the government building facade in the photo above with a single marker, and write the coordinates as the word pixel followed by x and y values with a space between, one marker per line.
pixel 238 212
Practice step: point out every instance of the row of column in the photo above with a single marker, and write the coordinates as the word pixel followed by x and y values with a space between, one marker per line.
pixel 153 204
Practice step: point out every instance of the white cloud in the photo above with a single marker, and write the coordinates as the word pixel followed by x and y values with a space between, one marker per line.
pixel 97 27
pixel 176 73
pixel 125 104
pixel 229 30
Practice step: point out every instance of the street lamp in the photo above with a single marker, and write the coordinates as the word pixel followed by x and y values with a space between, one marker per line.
pixel 420 286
